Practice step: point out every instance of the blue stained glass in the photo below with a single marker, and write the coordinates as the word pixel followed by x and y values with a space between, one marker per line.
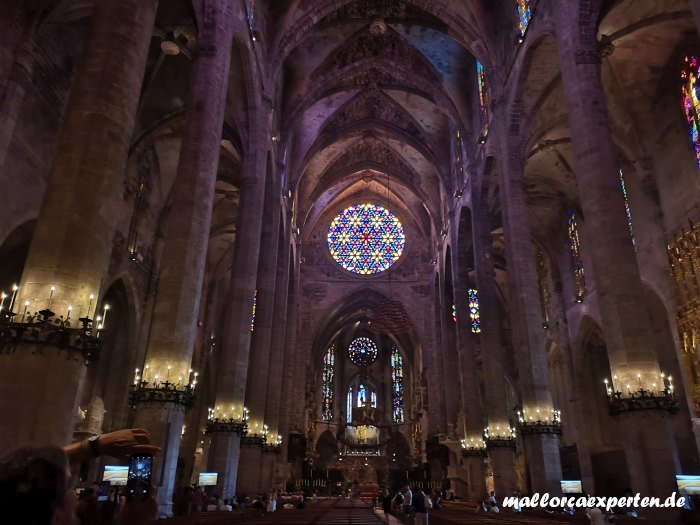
pixel 524 15
pixel 628 211
pixel 397 385
pixel 255 305
pixel 362 351
pixel 328 376
pixel 361 396
pixel 577 259
pixel 366 239
pixel 483 100
pixel 690 101
pixel 474 318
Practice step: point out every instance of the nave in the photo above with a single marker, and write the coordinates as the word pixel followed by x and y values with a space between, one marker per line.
pixel 344 511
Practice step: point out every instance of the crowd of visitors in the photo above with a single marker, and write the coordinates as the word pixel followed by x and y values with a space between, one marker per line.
pixel 37 484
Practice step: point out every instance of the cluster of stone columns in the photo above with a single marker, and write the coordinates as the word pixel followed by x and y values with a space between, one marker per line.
pixel 251 462
pixel 232 373
pixel 176 310
pixel 619 288
pixel 72 245
pixel 72 242
pixel 469 386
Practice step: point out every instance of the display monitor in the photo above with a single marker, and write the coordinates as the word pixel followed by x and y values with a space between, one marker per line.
pixel 207 479
pixel 115 474
pixel 571 486
pixel 688 485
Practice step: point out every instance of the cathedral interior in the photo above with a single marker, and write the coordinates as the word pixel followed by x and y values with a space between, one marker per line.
pixel 336 245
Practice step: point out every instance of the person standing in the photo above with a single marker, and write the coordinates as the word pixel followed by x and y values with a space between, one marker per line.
pixel 386 505
pixel 420 507
pixel 407 503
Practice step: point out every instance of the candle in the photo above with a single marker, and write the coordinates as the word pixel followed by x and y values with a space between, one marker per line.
pixel 24 314
pixel 104 315
pixel 167 377
pixel 69 309
pixel 14 296
pixel 53 289
pixel 639 378
pixel 89 306
pixel 2 300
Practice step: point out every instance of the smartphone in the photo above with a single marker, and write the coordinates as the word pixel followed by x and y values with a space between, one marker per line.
pixel 139 477
pixel 103 492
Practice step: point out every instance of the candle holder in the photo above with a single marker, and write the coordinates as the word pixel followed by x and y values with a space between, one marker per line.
pixel 473 448
pixel 538 424
pixel 161 392
pixel 237 425
pixel 501 438
pixel 43 330
pixel 273 447
pixel 253 439
pixel 665 400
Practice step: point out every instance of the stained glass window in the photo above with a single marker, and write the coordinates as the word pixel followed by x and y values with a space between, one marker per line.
pixel 328 369
pixel 366 239
pixel 483 100
pixel 348 406
pixel 524 15
pixel 255 305
pixel 362 351
pixel 474 320
pixel 543 285
pixel 575 244
pixel 691 101
pixel 361 396
pixel 397 385
pixel 628 212
pixel 454 313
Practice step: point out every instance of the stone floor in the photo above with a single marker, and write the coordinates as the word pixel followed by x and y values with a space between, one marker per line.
pixel 357 512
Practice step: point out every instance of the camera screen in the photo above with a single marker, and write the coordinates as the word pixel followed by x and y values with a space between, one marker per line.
pixel 139 475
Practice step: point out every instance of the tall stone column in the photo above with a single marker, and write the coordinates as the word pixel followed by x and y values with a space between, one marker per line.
pixel 501 452
pixel 541 446
pixel 272 457
pixel 176 311
pixel 474 454
pixel 619 288
pixel 290 337
pixel 19 79
pixel 232 373
pixel 450 372
pixel 72 242
pixel 249 480
pixel 695 7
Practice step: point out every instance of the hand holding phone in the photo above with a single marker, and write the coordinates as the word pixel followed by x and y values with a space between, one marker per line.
pixel 139 478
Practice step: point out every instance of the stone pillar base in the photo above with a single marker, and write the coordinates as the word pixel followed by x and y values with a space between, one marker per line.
pixel 503 464
pixel 267 471
pixel 39 389
pixel 476 478
pixel 652 455
pixel 224 453
pixel 164 422
pixel 250 469
pixel 543 462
